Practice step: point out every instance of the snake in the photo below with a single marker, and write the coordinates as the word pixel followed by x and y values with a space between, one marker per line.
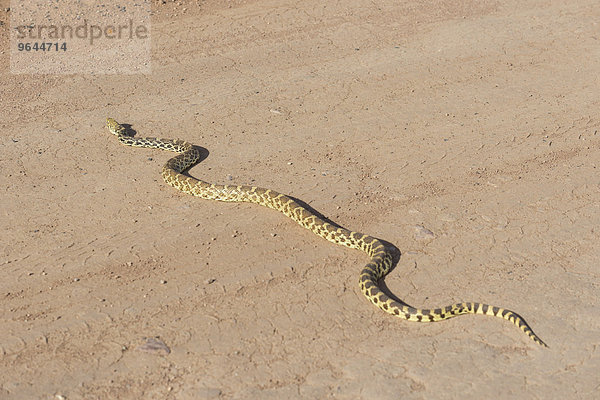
pixel 381 257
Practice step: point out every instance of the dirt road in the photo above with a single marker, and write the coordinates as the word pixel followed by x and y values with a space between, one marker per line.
pixel 476 121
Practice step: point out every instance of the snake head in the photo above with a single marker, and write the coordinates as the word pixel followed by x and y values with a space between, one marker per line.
pixel 114 127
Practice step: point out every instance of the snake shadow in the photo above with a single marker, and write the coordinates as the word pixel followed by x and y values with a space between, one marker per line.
pixel 394 251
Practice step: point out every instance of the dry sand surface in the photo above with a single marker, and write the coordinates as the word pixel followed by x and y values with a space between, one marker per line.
pixel 476 120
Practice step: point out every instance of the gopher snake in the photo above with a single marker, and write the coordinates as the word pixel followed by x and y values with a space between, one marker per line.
pixel 381 257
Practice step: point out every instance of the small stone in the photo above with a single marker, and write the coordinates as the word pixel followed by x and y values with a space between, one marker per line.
pixel 211 393
pixel 422 233
pixel 163 281
pixel 209 281
pixel 154 346
pixel 75 279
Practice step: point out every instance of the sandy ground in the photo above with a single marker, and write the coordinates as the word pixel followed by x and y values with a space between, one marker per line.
pixel 477 120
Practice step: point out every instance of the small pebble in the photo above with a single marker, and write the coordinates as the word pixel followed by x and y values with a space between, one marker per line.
pixel 422 233
pixel 209 281
pixel 75 279
pixel 154 346
pixel 163 281
pixel 211 393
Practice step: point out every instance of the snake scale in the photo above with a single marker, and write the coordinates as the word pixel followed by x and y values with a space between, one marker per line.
pixel 381 258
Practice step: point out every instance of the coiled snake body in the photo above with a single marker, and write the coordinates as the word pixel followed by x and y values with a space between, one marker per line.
pixel 381 258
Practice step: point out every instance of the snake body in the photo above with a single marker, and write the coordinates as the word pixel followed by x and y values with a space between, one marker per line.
pixel 380 257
